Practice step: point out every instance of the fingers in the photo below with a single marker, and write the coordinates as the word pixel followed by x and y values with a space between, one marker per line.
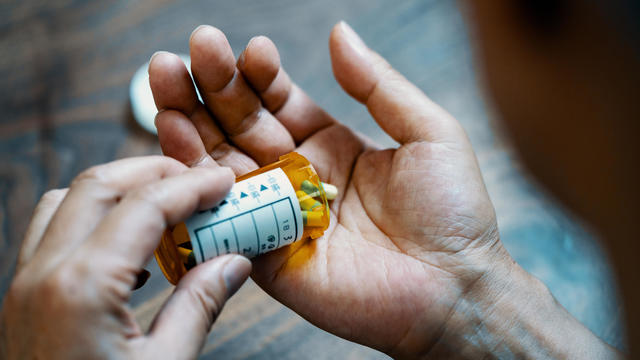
pixel 92 195
pixel 399 107
pixel 132 230
pixel 181 140
pixel 235 94
pixel 190 312
pixel 186 130
pixel 42 215
pixel 171 83
pixel 260 65
pixel 235 106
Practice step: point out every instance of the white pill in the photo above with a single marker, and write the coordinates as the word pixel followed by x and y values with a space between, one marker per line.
pixel 330 190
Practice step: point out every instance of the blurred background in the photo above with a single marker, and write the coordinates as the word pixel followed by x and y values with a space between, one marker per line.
pixel 64 77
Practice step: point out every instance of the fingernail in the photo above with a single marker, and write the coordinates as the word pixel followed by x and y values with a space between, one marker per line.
pixel 154 55
pixel 196 30
pixel 241 58
pixel 155 119
pixel 235 273
pixel 352 38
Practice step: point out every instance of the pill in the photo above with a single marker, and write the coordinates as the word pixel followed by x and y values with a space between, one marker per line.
pixel 331 191
pixel 307 202
pixel 312 218
pixel 184 253
pixel 187 256
pixel 308 187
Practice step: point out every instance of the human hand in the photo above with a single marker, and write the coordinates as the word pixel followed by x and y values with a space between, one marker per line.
pixel 413 233
pixel 81 255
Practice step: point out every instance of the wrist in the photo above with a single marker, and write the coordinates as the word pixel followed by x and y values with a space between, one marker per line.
pixel 508 313
pixel 486 317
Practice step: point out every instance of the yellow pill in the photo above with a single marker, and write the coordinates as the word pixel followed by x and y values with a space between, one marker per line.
pixel 312 218
pixel 184 253
pixel 187 256
pixel 307 202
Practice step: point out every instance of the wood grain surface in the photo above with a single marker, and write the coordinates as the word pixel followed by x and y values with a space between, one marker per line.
pixel 65 68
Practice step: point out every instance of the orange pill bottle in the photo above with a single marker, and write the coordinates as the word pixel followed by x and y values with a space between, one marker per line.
pixel 266 209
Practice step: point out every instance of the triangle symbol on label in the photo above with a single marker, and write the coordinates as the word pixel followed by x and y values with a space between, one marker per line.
pixel 243 195
pixel 263 188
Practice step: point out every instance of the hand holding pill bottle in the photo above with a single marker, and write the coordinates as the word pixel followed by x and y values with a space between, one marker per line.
pixel 266 209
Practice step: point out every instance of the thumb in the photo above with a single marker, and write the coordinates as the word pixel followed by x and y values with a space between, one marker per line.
pixel 180 329
pixel 398 106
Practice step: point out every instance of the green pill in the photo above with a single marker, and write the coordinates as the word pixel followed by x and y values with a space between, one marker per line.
pixel 308 187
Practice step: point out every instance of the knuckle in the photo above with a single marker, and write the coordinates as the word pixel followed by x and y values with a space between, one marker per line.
pixel 147 198
pixel 246 122
pixel 64 285
pixel 168 161
pixel 17 290
pixel 94 174
pixel 147 194
pixel 54 284
pixel 53 196
pixel 221 150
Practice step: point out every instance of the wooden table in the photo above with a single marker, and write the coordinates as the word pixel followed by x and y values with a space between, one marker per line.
pixel 65 69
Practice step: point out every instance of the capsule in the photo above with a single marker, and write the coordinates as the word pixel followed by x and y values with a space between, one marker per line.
pixel 307 202
pixel 309 188
pixel 312 218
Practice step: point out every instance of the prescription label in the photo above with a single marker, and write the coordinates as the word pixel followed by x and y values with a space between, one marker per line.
pixel 258 215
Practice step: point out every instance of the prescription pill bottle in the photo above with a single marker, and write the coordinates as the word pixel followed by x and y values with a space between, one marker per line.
pixel 266 209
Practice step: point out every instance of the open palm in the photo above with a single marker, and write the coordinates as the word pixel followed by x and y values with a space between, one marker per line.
pixel 412 229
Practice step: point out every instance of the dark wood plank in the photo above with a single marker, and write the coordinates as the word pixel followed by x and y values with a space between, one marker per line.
pixel 64 98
